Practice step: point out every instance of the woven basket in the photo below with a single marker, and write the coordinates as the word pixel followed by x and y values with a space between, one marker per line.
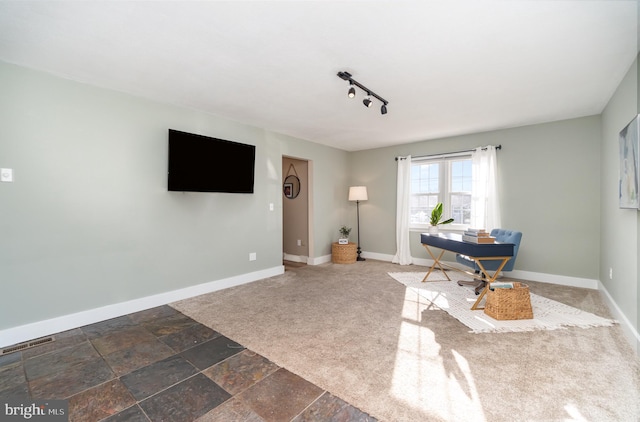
pixel 344 254
pixel 506 304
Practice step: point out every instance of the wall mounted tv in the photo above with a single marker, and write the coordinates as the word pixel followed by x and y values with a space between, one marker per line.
pixel 202 164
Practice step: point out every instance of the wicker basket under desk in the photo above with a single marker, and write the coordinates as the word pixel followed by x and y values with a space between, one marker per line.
pixel 344 254
pixel 508 304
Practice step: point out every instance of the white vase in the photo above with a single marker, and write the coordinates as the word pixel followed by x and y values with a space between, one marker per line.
pixel 433 229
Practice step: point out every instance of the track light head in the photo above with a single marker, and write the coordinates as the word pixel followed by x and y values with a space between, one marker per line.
pixel 383 109
pixel 367 102
pixel 352 92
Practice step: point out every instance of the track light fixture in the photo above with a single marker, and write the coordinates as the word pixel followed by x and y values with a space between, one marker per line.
pixel 367 101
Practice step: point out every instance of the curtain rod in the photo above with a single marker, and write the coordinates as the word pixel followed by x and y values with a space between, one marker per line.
pixel 445 153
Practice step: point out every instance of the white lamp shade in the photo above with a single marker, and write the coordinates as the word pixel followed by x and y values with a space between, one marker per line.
pixel 358 193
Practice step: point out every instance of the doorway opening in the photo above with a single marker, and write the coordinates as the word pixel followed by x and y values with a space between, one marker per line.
pixel 297 243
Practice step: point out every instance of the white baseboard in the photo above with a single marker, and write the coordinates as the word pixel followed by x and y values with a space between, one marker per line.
pixel 319 260
pixel 295 258
pixel 52 326
pixel 523 275
pixel 377 256
pixel 59 324
pixel 587 283
pixel 630 332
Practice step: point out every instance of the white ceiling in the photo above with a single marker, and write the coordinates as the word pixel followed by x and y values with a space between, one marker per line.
pixel 447 67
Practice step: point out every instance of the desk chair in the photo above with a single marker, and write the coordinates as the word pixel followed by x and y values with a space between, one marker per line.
pixel 501 235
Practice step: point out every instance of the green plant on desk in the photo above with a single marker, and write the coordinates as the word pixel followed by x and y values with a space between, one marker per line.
pixel 436 216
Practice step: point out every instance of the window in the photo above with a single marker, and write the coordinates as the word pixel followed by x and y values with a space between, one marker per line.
pixel 442 179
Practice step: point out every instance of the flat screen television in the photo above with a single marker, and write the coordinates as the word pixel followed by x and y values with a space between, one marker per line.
pixel 200 163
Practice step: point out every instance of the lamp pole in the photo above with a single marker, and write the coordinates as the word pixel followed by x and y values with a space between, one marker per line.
pixel 358 218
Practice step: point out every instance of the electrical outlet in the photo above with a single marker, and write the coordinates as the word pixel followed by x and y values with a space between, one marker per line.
pixel 299 242
pixel 610 273
pixel 6 175
pixel 252 256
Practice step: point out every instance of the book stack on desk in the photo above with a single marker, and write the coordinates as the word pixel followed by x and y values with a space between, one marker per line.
pixel 477 236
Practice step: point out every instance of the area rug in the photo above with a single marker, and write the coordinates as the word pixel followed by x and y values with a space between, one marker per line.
pixel 457 301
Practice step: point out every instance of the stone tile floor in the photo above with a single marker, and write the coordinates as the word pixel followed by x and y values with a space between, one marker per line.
pixel 160 365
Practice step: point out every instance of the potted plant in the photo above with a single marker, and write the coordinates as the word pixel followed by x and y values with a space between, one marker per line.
pixel 436 218
pixel 344 235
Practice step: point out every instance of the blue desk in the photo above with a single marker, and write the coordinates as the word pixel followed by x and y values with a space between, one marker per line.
pixel 478 252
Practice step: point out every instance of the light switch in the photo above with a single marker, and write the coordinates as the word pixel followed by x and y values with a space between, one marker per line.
pixel 271 206
pixel 6 175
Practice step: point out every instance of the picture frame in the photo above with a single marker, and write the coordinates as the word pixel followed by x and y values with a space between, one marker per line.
pixel 629 153
pixel 287 188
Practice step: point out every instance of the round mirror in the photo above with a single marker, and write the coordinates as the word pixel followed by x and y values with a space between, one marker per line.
pixel 291 186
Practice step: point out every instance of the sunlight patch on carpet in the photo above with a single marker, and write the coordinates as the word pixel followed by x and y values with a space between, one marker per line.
pixel 457 301
pixel 422 382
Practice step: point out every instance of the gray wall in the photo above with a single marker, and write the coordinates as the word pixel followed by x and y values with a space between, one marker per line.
pixel 619 227
pixel 89 222
pixel 549 177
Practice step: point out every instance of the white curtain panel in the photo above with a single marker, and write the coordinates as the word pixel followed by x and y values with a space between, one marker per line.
pixel 485 213
pixel 403 244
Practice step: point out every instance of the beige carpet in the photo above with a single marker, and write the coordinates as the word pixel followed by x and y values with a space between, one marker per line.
pixel 361 335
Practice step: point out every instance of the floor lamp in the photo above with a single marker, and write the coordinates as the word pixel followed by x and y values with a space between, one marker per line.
pixel 358 193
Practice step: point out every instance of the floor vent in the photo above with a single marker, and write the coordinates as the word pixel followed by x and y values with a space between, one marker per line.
pixel 26 345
